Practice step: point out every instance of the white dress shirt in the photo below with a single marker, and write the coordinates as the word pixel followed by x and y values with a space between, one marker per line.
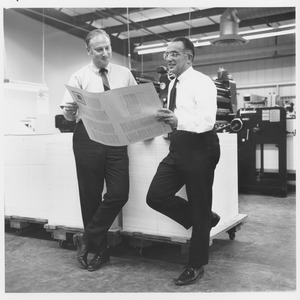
pixel 89 79
pixel 196 101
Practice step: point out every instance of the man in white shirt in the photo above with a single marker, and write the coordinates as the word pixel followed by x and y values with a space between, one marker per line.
pixel 193 155
pixel 95 162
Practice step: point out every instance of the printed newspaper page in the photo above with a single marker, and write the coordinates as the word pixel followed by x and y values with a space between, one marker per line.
pixel 120 116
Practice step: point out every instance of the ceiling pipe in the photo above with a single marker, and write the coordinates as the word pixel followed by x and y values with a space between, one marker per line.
pixel 230 19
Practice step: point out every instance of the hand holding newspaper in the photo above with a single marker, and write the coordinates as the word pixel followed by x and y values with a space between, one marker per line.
pixel 120 116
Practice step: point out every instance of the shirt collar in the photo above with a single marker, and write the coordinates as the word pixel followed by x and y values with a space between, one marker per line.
pixel 96 69
pixel 185 73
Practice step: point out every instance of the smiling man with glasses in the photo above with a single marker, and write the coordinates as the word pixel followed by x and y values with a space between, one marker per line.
pixel 193 155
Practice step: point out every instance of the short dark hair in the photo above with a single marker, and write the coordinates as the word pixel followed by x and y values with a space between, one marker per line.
pixel 94 33
pixel 188 45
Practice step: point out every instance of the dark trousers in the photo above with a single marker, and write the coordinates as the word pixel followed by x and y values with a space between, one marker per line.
pixel 191 162
pixel 96 163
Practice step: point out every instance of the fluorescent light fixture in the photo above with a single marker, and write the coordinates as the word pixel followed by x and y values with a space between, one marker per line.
pixel 269 34
pixel 152 50
pixel 206 41
pixel 211 37
pixel 286 26
pixel 201 44
pixel 256 30
pixel 25 86
pixel 149 46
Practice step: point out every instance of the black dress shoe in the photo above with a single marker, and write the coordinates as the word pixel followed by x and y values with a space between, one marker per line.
pixel 190 275
pixel 82 249
pixel 98 260
pixel 214 218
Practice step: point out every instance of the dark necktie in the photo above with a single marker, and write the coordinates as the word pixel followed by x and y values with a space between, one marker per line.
pixel 103 72
pixel 172 102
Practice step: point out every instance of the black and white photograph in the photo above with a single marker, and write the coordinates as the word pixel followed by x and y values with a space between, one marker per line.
pixel 197 198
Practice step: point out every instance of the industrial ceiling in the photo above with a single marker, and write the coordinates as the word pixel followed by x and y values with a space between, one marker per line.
pixel 131 27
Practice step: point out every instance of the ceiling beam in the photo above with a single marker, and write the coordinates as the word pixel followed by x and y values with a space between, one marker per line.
pixel 93 16
pixel 170 19
pixel 268 19
pixel 62 21
pixel 137 26
pixel 214 28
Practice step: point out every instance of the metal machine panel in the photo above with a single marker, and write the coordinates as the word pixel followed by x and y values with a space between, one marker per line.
pixel 259 131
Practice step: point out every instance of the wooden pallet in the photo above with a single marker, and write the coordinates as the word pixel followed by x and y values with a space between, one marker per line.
pixel 141 240
pixel 64 234
pixel 230 227
pixel 23 223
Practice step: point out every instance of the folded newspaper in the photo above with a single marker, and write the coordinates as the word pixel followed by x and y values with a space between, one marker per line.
pixel 120 116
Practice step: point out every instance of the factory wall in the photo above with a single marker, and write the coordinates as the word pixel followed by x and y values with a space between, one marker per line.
pixel 24 59
pixel 260 76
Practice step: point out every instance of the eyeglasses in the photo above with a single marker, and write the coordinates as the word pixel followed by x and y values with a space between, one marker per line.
pixel 171 54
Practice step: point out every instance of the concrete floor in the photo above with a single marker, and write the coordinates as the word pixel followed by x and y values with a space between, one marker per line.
pixel 261 258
